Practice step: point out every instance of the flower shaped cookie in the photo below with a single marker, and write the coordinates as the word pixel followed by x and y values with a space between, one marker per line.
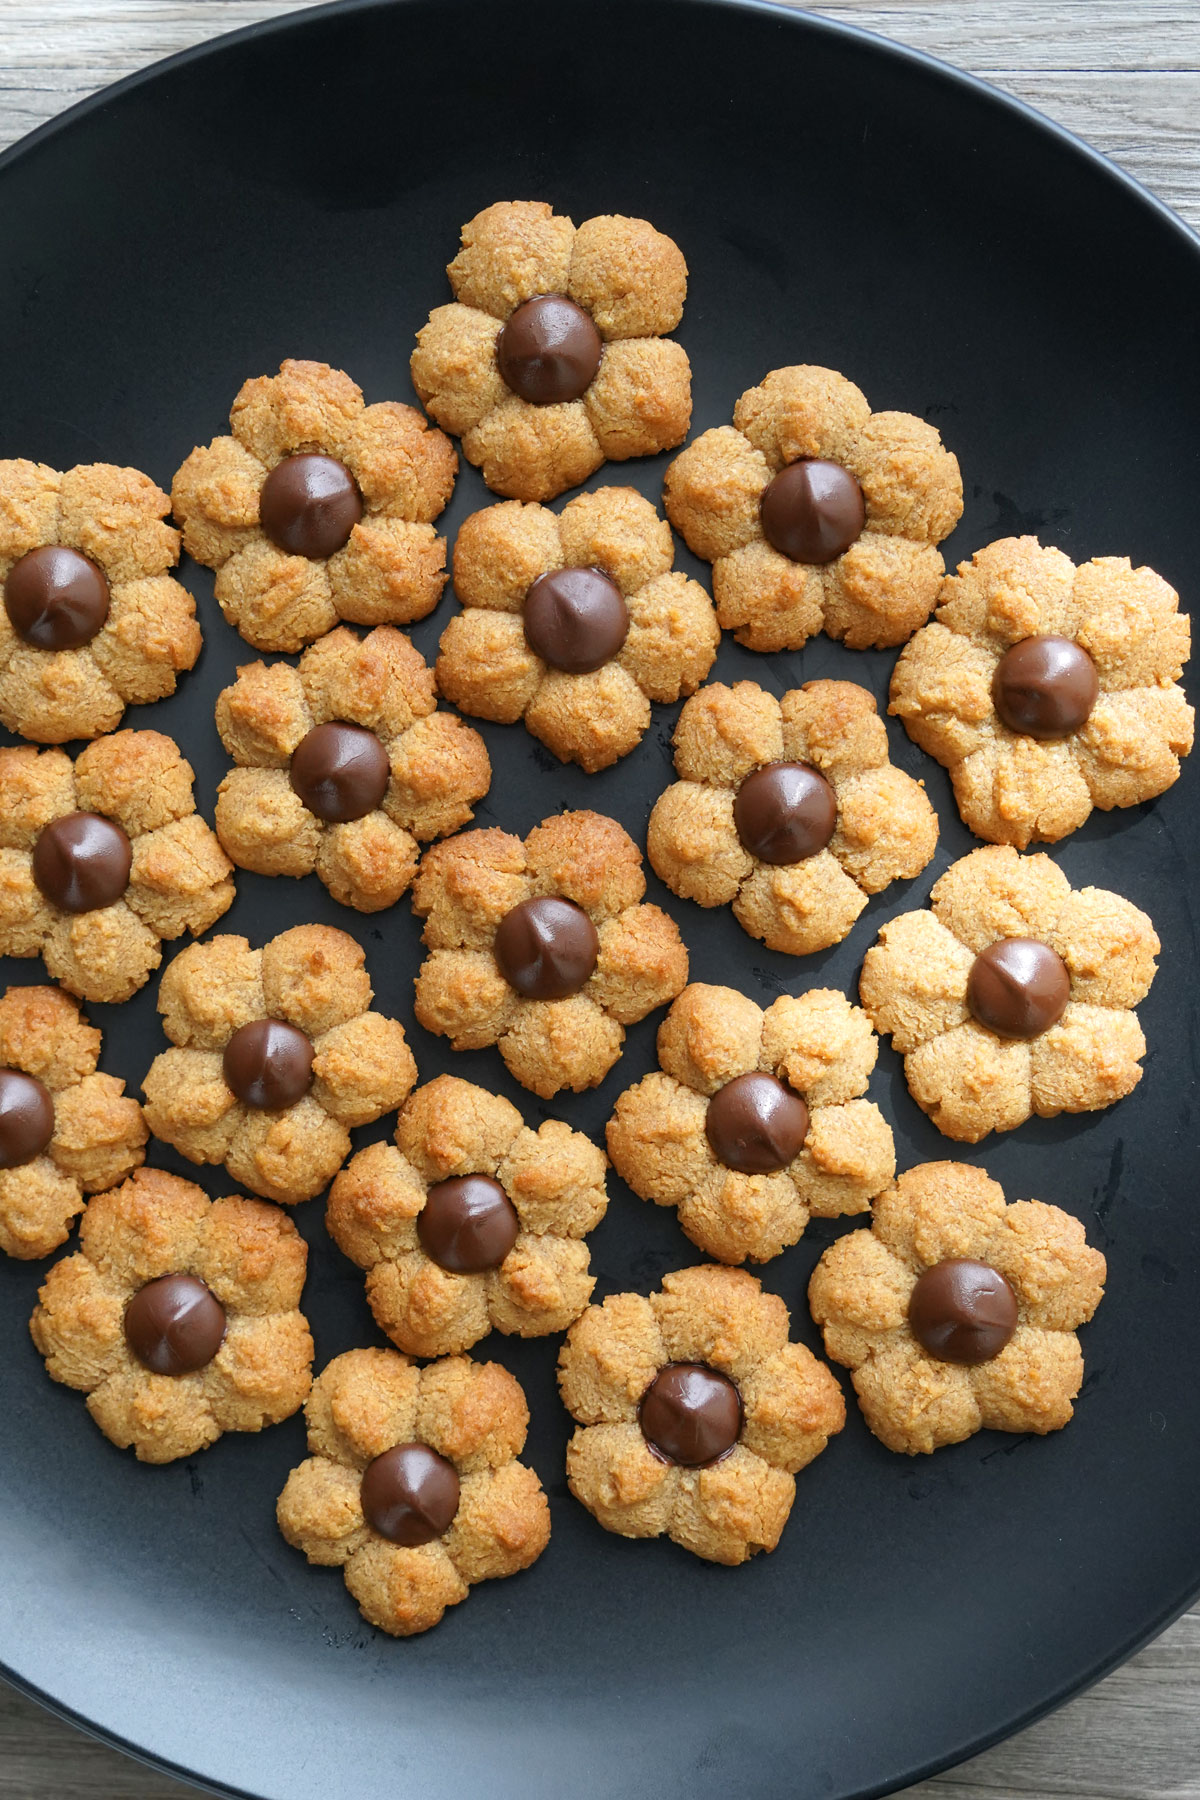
pixel 788 808
pixel 574 622
pixel 103 858
pixel 817 514
pixel 178 1317
pixel 343 764
pixel 756 1120
pixel 91 621
pixel 473 1223
pixel 543 947
pixel 413 1487
pixel 1013 995
pixel 956 1312
pixel 553 356
pixel 318 508
pixel 696 1413
pixel 1047 689
pixel 277 1056
pixel 64 1129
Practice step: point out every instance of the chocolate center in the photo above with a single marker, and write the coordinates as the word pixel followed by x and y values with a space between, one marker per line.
pixel 812 511
pixel 81 862
pixel 785 813
pixel 575 619
pixel 1018 988
pixel 690 1414
pixel 549 350
pixel 340 772
pixel 55 598
pixel 1045 687
pixel 546 948
pixel 410 1494
pixel 962 1311
pixel 174 1325
pixel 26 1118
pixel 756 1124
pixel 309 505
pixel 467 1224
pixel 268 1064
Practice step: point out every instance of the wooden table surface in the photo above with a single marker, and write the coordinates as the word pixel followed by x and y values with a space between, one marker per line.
pixel 1125 74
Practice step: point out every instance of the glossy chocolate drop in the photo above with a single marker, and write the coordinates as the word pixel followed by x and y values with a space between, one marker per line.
pixel 81 862
pixel 546 948
pixel 549 350
pixel 576 619
pixel 962 1311
pixel 268 1064
pixel 55 598
pixel 467 1224
pixel 812 511
pixel 409 1494
pixel 309 505
pixel 785 813
pixel 26 1118
pixel 340 772
pixel 174 1325
pixel 1045 687
pixel 691 1415
pixel 756 1124
pixel 1018 988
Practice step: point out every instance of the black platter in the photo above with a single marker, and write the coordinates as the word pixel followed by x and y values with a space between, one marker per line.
pixel 297 190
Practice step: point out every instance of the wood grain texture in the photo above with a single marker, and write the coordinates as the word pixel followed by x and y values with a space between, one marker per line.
pixel 1124 74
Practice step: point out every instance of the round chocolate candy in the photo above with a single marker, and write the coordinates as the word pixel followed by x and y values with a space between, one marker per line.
pixel 1018 988
pixel 785 813
pixel 575 619
pixel 812 511
pixel 174 1325
pixel 309 505
pixel 549 350
pixel 409 1494
pixel 546 948
pixel 340 772
pixel 26 1118
pixel 691 1415
pixel 268 1064
pixel 756 1124
pixel 962 1311
pixel 467 1224
pixel 55 598
pixel 81 862
pixel 1045 687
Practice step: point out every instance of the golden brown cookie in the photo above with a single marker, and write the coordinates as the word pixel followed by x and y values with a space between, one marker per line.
pixel 104 858
pixel 1047 689
pixel 788 809
pixel 1013 995
pixel 695 1413
pixel 317 508
pixel 756 1120
pixel 343 764
pixel 553 357
pixel 178 1317
pixel 65 1130
pixel 472 1223
pixel 574 622
pixel 277 1055
pixel 817 514
pixel 956 1312
pixel 413 1486
pixel 91 621
pixel 543 947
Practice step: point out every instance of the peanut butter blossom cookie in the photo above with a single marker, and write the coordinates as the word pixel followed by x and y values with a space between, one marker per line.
pixel 344 764
pixel 756 1120
pixel 817 514
pixel 91 621
pixel 317 508
pixel 104 858
pixel 1013 995
pixel 1047 689
pixel 472 1222
pixel 178 1317
pixel 413 1486
pixel 695 1413
pixel 574 622
pixel 956 1312
pixel 65 1130
pixel 277 1056
pixel 553 357
pixel 788 809
pixel 543 947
